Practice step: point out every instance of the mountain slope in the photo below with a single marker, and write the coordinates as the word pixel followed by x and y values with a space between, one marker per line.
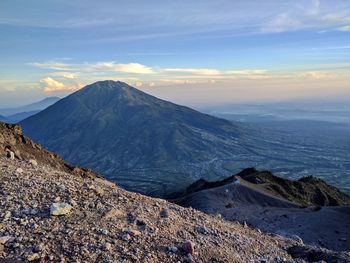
pixel 103 223
pixel 144 143
pixel 17 117
pixel 277 205
pixel 2 118
pixel 36 106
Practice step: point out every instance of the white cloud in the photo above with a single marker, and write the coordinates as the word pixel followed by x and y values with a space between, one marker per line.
pixel 316 75
pixel 52 65
pixel 249 72
pixel 281 23
pixel 138 84
pixel 134 68
pixel 202 72
pixel 315 7
pixel 53 86
pixel 344 28
pixel 67 75
pixel 130 69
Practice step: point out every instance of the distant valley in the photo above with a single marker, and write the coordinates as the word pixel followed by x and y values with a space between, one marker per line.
pixel 319 146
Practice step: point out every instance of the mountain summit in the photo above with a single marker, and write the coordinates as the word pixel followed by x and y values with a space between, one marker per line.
pixel 144 143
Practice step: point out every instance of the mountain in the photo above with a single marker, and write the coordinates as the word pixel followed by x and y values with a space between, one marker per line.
pixel 50 214
pixel 139 141
pixel 2 118
pixel 21 116
pixel 30 108
pixel 306 208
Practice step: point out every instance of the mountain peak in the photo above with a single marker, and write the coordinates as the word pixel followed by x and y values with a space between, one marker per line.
pixel 109 84
pixel 110 89
pixel 135 131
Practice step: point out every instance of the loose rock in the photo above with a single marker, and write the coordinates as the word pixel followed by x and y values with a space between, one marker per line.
pixel 188 247
pixel 60 209
pixel 33 162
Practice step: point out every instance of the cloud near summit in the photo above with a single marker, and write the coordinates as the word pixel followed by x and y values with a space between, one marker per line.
pixel 53 86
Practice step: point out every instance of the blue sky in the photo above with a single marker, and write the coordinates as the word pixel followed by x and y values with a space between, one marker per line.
pixel 192 52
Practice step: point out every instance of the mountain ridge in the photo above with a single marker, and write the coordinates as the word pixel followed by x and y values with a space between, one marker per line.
pixel 306 208
pixel 16 114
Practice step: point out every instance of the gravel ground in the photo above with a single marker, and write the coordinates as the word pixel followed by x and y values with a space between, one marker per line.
pixel 101 222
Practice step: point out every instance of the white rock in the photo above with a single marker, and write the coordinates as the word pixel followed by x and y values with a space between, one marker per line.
pixel 11 155
pixel 4 239
pixel 33 162
pixel 59 209
pixel 19 170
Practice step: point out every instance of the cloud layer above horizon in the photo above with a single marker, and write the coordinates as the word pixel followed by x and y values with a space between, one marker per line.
pixel 182 50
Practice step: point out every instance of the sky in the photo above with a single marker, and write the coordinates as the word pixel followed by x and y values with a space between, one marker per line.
pixel 194 52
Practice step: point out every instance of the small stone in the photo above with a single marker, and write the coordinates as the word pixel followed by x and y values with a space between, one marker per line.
pixel 202 230
pixel 342 239
pixel 297 238
pixel 99 190
pixel 73 202
pixel 10 155
pixel 173 249
pixel 188 247
pixel 104 232
pixel 38 248
pixel 108 246
pixel 164 213
pixel 5 239
pixel 140 222
pixel 113 213
pixel 57 199
pixel 126 237
pixel 134 233
pixel 189 259
pixel 33 212
pixel 33 162
pixel 2 248
pixel 7 216
pixel 19 170
pixel 59 209
pixel 33 257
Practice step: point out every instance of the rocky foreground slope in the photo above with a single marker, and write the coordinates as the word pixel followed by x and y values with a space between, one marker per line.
pixel 49 212
pixel 100 222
